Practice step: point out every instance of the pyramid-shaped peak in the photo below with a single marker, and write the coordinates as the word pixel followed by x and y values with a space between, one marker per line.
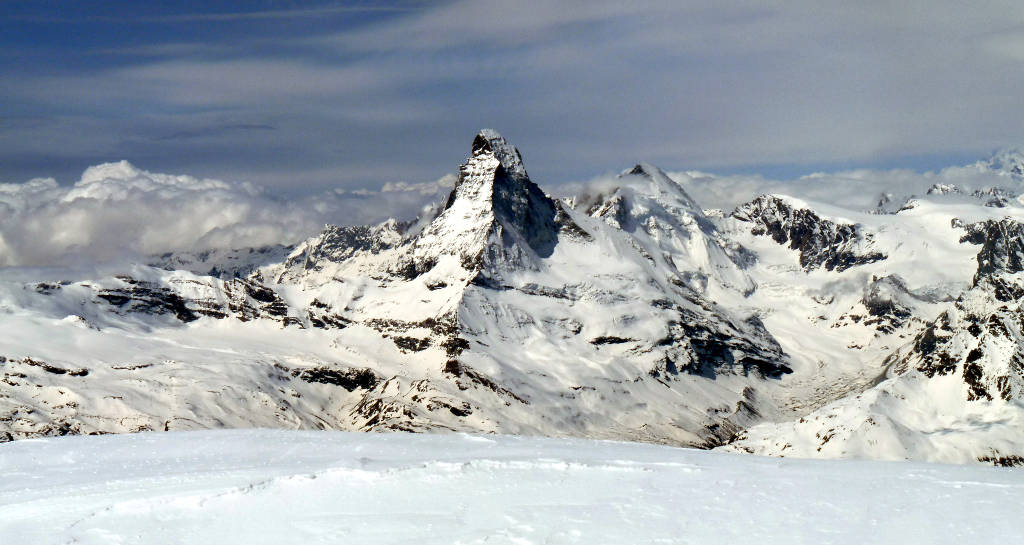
pixel 654 174
pixel 490 141
pixel 495 215
pixel 660 183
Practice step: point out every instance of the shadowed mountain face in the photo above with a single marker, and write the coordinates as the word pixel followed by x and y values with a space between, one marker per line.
pixel 495 179
pixel 626 312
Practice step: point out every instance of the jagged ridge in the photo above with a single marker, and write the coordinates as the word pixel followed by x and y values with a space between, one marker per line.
pixel 821 242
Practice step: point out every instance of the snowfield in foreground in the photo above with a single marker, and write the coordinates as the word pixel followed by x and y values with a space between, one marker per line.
pixel 257 486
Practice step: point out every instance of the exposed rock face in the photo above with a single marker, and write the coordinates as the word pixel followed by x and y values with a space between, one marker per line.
pixel 185 300
pixel 147 298
pixel 821 242
pixel 1002 246
pixel 335 244
pixel 889 303
pixel 944 189
pixel 705 346
pixel 981 339
pixel 516 201
pixel 501 219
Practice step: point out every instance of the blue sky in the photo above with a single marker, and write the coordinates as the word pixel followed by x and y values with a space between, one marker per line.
pixel 302 96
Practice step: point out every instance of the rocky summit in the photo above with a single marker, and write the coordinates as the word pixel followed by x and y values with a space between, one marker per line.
pixel 785 327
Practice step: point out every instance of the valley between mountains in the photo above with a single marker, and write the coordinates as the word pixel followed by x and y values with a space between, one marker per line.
pixel 783 327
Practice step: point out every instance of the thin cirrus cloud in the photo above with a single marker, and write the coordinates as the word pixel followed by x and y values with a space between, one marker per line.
pixel 581 87
pixel 298 13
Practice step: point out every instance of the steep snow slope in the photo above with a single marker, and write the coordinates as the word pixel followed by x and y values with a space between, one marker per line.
pixel 670 229
pixel 246 487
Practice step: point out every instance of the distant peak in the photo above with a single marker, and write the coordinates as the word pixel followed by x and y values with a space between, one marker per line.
pixel 661 183
pixel 944 189
pixel 640 169
pixel 1009 161
pixel 650 172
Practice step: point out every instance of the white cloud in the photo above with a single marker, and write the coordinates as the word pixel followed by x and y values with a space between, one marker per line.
pixel 442 184
pixel 1009 45
pixel 859 189
pixel 117 211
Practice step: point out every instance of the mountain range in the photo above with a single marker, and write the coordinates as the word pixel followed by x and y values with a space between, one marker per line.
pixel 784 327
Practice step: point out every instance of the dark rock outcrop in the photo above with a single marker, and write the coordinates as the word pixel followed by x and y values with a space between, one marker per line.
pixel 821 242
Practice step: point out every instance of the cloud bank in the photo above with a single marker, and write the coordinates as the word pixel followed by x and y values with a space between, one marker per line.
pixel 118 211
pixel 860 189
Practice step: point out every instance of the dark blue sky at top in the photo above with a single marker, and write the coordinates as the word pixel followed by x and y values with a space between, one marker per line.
pixel 43 36
pixel 308 95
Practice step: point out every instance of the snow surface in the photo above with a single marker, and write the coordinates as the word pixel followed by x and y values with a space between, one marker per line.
pixel 259 486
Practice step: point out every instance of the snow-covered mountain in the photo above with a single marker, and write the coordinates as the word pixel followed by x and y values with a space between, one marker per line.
pixel 783 327
pixel 953 393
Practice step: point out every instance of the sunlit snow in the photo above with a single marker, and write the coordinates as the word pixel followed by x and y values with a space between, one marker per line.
pixel 257 486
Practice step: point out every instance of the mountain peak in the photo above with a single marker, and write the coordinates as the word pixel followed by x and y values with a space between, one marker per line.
pixel 493 173
pixel 661 183
pixel 490 141
pixel 655 175
pixel 495 211
pixel 642 169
